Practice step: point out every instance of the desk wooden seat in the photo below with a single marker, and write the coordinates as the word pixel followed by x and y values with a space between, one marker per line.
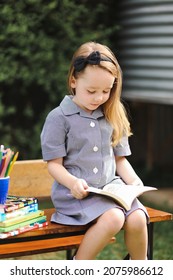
pixel 56 237
pixel 31 178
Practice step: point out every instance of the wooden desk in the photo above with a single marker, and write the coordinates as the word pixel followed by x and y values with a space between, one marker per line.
pixel 56 237
pixel 155 216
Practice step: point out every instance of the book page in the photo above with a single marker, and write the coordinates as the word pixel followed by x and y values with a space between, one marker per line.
pixel 131 190
pixel 123 194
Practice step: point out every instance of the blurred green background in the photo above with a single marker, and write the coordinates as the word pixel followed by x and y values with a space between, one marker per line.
pixel 37 41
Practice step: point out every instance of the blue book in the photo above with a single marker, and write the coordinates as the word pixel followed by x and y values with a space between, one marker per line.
pixel 19 212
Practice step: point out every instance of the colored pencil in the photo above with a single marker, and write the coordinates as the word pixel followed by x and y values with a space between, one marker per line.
pixel 7 160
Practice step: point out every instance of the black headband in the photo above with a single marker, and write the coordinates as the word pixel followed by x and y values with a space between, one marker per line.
pixel 93 59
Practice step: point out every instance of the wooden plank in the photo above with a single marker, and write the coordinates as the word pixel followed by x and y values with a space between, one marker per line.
pixel 30 178
pixel 158 215
pixel 39 246
pixel 58 230
pixel 50 231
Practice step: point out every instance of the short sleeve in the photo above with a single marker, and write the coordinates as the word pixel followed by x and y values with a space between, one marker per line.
pixel 122 148
pixel 53 136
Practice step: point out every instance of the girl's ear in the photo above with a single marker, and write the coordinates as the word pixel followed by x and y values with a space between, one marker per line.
pixel 73 82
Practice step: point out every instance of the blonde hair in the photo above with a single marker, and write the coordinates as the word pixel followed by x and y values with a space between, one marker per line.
pixel 113 108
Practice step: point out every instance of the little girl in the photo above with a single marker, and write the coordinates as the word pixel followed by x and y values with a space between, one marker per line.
pixel 85 142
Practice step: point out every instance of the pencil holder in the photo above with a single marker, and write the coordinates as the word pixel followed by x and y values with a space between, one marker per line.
pixel 4 185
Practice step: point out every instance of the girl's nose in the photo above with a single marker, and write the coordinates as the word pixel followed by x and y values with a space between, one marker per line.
pixel 98 97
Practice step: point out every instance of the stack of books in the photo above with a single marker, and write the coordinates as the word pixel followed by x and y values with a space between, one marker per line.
pixel 19 215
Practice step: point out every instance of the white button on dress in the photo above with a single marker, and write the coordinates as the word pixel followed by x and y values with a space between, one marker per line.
pixel 95 149
pixel 92 124
pixel 95 170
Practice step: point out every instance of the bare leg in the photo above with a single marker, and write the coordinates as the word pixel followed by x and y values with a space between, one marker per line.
pixel 136 236
pixel 98 235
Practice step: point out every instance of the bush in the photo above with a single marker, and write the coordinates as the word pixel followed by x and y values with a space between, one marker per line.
pixel 37 40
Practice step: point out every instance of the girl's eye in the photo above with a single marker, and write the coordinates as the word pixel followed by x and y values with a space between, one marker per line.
pixel 106 91
pixel 91 91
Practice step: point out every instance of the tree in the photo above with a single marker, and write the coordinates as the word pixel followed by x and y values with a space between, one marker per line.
pixel 37 40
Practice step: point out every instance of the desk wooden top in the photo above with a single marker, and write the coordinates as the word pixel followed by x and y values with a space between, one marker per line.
pixel 158 215
pixel 50 231
pixel 59 230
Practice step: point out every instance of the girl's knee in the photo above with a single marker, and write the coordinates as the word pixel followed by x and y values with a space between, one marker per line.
pixel 113 220
pixel 136 221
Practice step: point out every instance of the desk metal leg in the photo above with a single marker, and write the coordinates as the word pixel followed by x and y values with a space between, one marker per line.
pixel 150 241
pixel 69 254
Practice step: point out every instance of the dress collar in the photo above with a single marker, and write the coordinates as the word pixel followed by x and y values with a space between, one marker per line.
pixel 70 108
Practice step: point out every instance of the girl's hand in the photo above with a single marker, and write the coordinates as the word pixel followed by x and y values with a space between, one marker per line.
pixel 79 189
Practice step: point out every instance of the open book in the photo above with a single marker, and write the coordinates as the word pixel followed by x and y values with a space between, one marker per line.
pixel 122 194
